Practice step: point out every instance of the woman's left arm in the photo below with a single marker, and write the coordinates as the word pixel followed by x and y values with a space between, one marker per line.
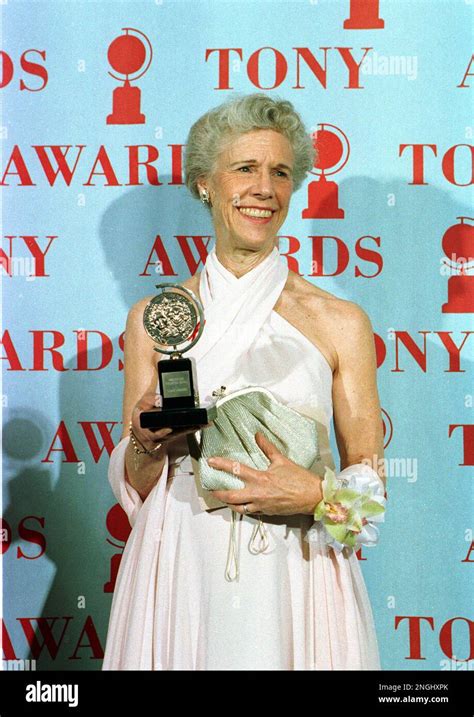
pixel 357 414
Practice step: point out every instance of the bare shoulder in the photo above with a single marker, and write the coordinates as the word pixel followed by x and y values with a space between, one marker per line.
pixel 333 324
pixel 139 346
pixel 327 305
pixel 137 309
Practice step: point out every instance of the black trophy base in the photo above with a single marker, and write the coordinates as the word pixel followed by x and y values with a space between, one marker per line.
pixel 177 417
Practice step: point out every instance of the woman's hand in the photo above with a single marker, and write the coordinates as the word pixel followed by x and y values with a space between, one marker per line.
pixel 143 471
pixel 284 488
pixel 151 438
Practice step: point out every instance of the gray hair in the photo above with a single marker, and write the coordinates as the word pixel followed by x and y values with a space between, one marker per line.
pixel 236 116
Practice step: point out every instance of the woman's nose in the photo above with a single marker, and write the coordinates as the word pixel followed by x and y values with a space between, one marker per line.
pixel 263 184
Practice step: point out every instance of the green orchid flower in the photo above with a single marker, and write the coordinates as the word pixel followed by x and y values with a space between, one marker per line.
pixel 343 511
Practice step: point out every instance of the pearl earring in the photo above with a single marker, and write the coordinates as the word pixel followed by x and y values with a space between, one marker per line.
pixel 204 196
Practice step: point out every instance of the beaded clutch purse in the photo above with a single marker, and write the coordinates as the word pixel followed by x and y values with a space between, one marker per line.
pixel 232 435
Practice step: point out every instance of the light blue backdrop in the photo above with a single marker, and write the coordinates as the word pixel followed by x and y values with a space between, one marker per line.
pixel 105 234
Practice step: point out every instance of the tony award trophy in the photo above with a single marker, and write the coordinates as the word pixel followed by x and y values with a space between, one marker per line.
pixel 174 319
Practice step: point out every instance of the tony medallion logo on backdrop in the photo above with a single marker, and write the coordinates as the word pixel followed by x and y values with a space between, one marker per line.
pixel 332 152
pixel 127 54
pixel 458 246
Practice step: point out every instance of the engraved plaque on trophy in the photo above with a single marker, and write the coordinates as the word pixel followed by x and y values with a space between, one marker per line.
pixel 174 319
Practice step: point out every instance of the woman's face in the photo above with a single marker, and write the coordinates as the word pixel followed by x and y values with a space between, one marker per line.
pixel 250 189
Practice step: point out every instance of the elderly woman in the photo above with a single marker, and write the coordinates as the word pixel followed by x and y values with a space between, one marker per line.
pixel 266 576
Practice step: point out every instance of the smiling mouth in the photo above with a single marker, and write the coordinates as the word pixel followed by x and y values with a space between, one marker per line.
pixel 255 213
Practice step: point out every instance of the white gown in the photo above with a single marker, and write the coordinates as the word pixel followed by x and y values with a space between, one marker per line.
pixel 297 606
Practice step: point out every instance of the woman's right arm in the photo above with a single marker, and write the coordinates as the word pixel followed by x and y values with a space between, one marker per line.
pixel 140 378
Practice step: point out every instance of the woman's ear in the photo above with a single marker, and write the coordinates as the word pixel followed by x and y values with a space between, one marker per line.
pixel 204 193
pixel 202 185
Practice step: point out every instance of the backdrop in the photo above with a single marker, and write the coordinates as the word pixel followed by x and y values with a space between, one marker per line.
pixel 99 98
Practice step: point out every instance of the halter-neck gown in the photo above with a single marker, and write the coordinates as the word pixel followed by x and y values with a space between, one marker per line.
pixel 298 605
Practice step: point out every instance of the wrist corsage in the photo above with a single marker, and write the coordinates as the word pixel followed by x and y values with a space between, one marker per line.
pixel 353 502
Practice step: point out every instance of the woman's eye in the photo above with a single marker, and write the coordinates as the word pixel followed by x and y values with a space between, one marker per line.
pixel 246 168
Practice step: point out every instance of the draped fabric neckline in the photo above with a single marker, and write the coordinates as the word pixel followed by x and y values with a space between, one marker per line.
pixel 235 309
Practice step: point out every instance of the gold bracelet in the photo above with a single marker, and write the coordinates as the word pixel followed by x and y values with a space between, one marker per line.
pixel 136 450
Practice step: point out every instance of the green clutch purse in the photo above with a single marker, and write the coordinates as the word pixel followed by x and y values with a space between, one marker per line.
pixel 232 435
